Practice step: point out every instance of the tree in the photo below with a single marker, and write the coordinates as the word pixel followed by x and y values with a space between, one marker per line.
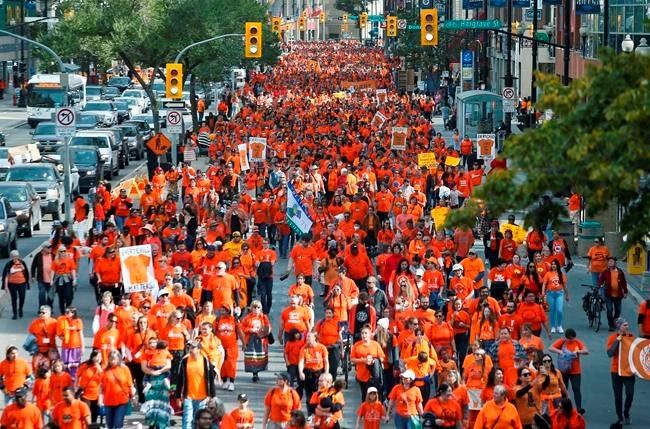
pixel 598 144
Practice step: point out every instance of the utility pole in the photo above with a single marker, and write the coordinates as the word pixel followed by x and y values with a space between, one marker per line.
pixel 606 23
pixel 567 41
pixel 509 80
pixel 533 84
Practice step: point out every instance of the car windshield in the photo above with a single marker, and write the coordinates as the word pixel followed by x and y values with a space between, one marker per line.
pixel 130 131
pixel 132 93
pixel 84 157
pixel 86 119
pixel 15 194
pixel 147 118
pixel 100 142
pixel 119 81
pixel 31 174
pixel 45 129
pixel 99 107
pixel 121 105
pixel 111 90
pixel 94 91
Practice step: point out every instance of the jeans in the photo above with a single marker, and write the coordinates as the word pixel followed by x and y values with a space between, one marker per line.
pixel 99 225
pixel 190 407
pixel 555 301
pixel 402 422
pixel 66 295
pixel 115 416
pixel 613 306
pixel 265 293
pixel 119 222
pixel 17 293
pixel 574 380
pixel 45 294
pixel 334 359
pixel 618 383
pixel 284 246
pixel 462 344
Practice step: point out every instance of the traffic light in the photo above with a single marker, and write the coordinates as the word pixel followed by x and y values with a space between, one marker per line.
pixel 253 40
pixel 276 24
pixel 301 23
pixel 429 27
pixel 345 19
pixel 174 80
pixel 363 20
pixel 322 17
pixel 391 26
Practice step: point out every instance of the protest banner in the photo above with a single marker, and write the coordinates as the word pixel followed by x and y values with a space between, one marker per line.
pixel 137 269
pixel 243 157
pixel 378 120
pixel 257 149
pixel 634 357
pixel 427 160
pixel 486 146
pixel 398 138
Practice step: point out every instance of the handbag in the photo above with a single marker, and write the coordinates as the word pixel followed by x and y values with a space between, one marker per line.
pixel 270 338
pixel 31 344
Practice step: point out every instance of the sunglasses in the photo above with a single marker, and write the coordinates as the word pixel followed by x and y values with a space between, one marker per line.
pixel 547 360
pixel 525 374
pixel 147 307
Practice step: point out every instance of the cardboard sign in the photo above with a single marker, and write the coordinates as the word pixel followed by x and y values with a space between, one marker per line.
pixel 257 149
pixel 382 95
pixel 427 160
pixel 486 146
pixel 452 161
pixel 378 120
pixel 398 138
pixel 243 157
pixel 137 269
pixel 362 85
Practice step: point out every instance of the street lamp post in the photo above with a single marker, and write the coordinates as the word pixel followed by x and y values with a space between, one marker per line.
pixel 509 80
pixel 66 153
pixel 567 41
pixel 643 48
pixel 627 45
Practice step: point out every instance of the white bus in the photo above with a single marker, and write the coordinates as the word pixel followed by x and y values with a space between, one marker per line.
pixel 45 94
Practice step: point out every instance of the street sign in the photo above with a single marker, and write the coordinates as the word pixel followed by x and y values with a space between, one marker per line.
pixel 467 64
pixel 471 24
pixel 174 104
pixel 174 122
pixel 159 144
pixel 426 4
pixel 508 94
pixel 65 122
pixel 401 24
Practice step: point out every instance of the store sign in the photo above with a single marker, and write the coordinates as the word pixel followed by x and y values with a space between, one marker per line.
pixel 587 7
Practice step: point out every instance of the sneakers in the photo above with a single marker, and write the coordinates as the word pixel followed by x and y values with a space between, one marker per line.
pixel 627 421
pixel 231 386
pixel 560 330
pixel 553 330
pixel 224 385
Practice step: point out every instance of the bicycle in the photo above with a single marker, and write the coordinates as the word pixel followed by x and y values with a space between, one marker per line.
pixel 593 304
pixel 346 349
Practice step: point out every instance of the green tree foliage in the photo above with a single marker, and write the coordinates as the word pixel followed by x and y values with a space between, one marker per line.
pixel 598 144
pixel 149 33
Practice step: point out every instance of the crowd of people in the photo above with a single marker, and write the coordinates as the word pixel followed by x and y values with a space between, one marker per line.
pixel 434 334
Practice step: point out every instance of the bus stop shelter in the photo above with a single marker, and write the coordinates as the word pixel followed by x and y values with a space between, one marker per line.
pixel 478 112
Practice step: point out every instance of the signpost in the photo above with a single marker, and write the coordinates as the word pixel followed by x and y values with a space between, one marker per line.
pixel 65 118
pixel 508 94
pixel 174 122
pixel 65 122
pixel 471 24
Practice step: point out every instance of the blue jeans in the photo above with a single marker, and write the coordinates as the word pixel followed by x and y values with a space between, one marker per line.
pixel 265 293
pixel 119 222
pixel 555 301
pixel 45 294
pixel 284 246
pixel 402 422
pixel 115 416
pixel 190 407
pixel 594 278
pixel 99 225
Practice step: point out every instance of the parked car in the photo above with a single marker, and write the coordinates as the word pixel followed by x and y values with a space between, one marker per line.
pixel 110 92
pixel 120 82
pixel 45 138
pixel 105 110
pixel 123 144
pixel 109 149
pixel 93 93
pixel 26 203
pixel 123 110
pixel 48 183
pixel 143 128
pixel 134 139
pixel 88 161
pixel 86 121
pixel 8 228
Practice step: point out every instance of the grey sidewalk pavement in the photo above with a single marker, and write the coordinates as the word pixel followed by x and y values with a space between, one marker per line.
pixel 11 116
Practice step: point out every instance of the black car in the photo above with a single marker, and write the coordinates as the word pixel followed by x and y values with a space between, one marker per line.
pixel 134 139
pixel 119 82
pixel 123 112
pixel 87 159
pixel 143 128
pixel 26 204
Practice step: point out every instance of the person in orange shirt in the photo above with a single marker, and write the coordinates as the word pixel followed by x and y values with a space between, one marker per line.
pixel 21 413
pixel 243 415
pixel 70 330
pixel 301 259
pixel 364 353
pixel 312 362
pixel 59 380
pixel 88 383
pixel 474 269
pixel 498 413
pixel 554 286
pixel 224 288
pixel 406 399
pixel 108 338
pixel 109 274
pixel 294 316
pixel 116 390
pixel 279 403
pixel 15 372
pixel 257 324
pixel 64 277
pixel 620 381
pixel 445 408
pixel 44 329
pixel 228 332
pixel 371 412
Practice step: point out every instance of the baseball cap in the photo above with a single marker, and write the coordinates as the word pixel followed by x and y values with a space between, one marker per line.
pixel 283 375
pixel 22 392
pixel 242 397
pixel 372 389
pixel 163 292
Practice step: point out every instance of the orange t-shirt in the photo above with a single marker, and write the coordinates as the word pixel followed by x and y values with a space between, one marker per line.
pixel 314 357
pixel 88 379
pixel 359 351
pixel 598 258
pixel 281 404
pixel 116 385
pixel 295 318
pixel 372 413
pixel 14 373
pixel 449 411
pixel 406 400
pixel 244 419
pixel 71 416
pixel 22 418
pixel 196 385
pixel 303 259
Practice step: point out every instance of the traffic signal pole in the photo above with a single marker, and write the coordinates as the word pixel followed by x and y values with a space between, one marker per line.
pixel 509 80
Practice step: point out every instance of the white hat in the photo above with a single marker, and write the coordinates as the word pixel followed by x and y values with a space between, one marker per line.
pixel 178 270
pixel 408 374
pixel 383 322
pixel 457 267
pixel 419 272
pixel 371 389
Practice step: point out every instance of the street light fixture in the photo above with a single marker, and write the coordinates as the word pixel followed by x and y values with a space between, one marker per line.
pixel 627 45
pixel 643 48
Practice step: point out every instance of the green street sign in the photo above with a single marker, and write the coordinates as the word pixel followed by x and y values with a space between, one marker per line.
pixel 413 27
pixel 376 18
pixel 471 24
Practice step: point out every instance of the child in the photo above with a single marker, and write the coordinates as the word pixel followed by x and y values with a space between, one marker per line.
pixel 156 360
pixel 41 390
pixel 371 411
pixel 328 411
pixel 445 366
pixel 291 357
pixel 244 416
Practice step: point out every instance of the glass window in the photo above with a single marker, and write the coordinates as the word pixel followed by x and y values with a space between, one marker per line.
pixel 45 97
pixel 629 19
pixel 31 174
pixel 15 194
pixel 639 19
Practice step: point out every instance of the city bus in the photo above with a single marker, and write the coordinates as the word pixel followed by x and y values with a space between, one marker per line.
pixel 45 94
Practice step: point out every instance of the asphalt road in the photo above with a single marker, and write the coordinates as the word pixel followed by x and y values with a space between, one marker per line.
pixel 596 386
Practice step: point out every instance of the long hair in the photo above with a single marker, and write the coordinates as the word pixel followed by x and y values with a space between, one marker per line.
pixel 560 277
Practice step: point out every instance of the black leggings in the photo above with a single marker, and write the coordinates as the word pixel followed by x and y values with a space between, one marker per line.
pixel 94 409
pixel 17 292
pixel 574 380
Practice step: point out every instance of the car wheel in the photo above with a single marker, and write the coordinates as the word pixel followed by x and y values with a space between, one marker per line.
pixel 14 244
pixel 109 175
pixel 28 232
pixel 37 225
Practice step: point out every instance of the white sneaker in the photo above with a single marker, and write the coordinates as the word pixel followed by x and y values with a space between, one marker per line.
pixel 553 330
pixel 560 330
pixel 224 386
pixel 231 386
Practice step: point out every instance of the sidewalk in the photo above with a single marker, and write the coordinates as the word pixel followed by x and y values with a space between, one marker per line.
pixel 11 116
